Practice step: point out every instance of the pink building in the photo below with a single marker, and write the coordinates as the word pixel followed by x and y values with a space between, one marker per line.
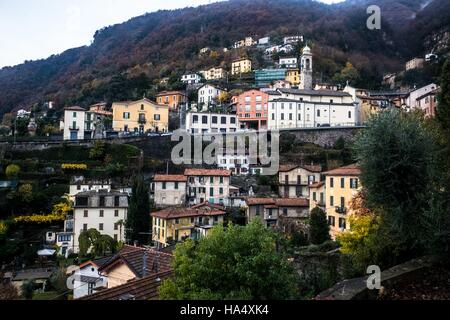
pixel 252 109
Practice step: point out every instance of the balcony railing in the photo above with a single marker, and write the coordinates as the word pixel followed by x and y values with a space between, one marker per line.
pixel 341 210
pixel 72 128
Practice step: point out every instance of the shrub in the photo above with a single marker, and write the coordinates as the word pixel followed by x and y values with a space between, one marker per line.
pixel 12 171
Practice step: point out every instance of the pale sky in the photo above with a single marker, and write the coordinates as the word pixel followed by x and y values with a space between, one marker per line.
pixel 36 29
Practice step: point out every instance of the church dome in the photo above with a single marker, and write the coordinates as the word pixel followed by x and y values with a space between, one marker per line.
pixel 306 49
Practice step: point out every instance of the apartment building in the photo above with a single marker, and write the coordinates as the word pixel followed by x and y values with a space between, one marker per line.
pixel 104 211
pixel 237 164
pixel 207 185
pixel 82 184
pixel 292 39
pixel 416 63
pixel 288 62
pixel 209 94
pixel 265 77
pixel 341 186
pixel 240 66
pixel 170 190
pixel 191 78
pixel 205 122
pixel 173 225
pixel 293 76
pixel 173 99
pixel 78 124
pixel 269 210
pixel 428 103
pixel 140 116
pixel 252 109
pixel 214 73
pixel 295 180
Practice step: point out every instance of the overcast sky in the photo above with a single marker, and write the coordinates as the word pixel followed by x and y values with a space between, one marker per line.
pixel 36 29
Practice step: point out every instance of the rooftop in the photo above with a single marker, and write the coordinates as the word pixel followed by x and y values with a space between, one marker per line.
pixel 351 170
pixel 169 178
pixel 207 172
pixel 330 93
pixel 290 167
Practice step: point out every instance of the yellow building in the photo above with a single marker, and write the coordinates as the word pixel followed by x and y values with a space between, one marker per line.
pixel 240 66
pixel 341 186
pixel 293 76
pixel 213 73
pixel 371 107
pixel 177 224
pixel 140 116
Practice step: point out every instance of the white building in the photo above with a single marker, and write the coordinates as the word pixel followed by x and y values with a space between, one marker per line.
pixel 104 211
pixel 81 184
pixel 77 124
pixel 170 190
pixel 249 41
pixel 205 185
pixel 264 41
pixel 208 95
pixel 64 241
pixel 284 48
pixel 293 108
pixel 87 280
pixel 200 122
pixel 22 113
pixel 290 62
pixel 237 164
pixel 191 78
pixel 292 39
pixel 411 100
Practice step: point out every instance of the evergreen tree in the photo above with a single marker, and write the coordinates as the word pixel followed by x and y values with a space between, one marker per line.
pixel 319 231
pixel 443 107
pixel 138 223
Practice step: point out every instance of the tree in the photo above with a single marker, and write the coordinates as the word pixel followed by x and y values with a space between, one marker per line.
pixel 26 192
pixel 99 245
pixel 397 156
pixel 28 289
pixel 98 150
pixel 7 120
pixel 319 230
pixel 443 107
pixel 12 171
pixel 138 223
pixel 8 291
pixel 231 263
pixel 86 240
pixel 348 73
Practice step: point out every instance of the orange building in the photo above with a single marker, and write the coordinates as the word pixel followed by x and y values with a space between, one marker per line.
pixel 172 99
pixel 252 109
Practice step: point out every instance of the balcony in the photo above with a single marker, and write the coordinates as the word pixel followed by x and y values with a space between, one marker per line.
pixel 74 128
pixel 341 210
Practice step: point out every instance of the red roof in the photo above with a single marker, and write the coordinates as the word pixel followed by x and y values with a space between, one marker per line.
pixel 169 178
pixel 351 170
pixel 317 185
pixel 294 202
pixel 290 167
pixel 259 201
pixel 176 213
pixel 138 289
pixel 207 172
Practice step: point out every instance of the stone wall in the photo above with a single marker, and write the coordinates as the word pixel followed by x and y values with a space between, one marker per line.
pixel 324 137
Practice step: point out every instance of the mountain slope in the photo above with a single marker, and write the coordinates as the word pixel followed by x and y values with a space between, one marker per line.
pixel 124 59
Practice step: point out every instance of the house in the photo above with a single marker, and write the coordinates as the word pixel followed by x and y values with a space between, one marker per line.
pixel 173 225
pixel 205 50
pixel 208 185
pixel 416 63
pixel 40 277
pixel 239 66
pixel 100 210
pixel 288 62
pixel 252 109
pixel 428 102
pixel 293 76
pixel 78 124
pixel 296 108
pixel 209 94
pixel 170 190
pixel 64 241
pixel 264 41
pixel 249 41
pixel 140 116
pixel 214 73
pixel 294 180
pixel 191 78
pixel 210 123
pixel 317 195
pixel 133 263
pixel 411 100
pixel 279 84
pixel 87 279
pixel 266 77
pixel 239 44
pixel 22 113
pixel 292 39
pixel 237 164
pixel 138 289
pixel 341 186
pixel 269 210
pixel 81 184
pixel 172 99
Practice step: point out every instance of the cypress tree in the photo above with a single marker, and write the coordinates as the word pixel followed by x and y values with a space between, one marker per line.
pixel 443 107
pixel 319 231
pixel 138 223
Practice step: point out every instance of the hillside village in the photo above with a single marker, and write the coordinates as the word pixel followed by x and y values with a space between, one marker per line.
pixel 108 258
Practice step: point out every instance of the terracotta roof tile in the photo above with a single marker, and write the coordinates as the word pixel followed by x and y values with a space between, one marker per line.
pixel 294 202
pixel 317 185
pixel 176 213
pixel 351 170
pixel 259 201
pixel 207 172
pixel 138 289
pixel 290 167
pixel 170 178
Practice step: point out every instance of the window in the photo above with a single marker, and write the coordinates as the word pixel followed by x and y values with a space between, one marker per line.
pixel 205 120
pixel 318 113
pixel 354 183
pixel 102 213
pixel 221 180
pixel 342 202
pixel 195 119
pixel 85 227
pixel 223 120
pixel 211 192
pixel 299 117
pixel 116 226
pixel 192 220
pixel 331 182
pixel 176 185
pixel 86 213
pixel 214 119
pixel 116 237
pixel 331 201
pixel 100 227
pixel 164 185
pixel 273 116
pixel 78 187
pixel 258 211
pixel 349 114
pixel 126 115
pixel 232 120
pixel 342 183
pixel 314 196
pixel 74 115
pixel 116 213
pixel 177 221
pixel 342 223
pixel 142 107
pixel 221 191
pixel 331 221
pixel 211 180
pixel 157 117
pixel 290 116
pixel 282 116
pixel 102 201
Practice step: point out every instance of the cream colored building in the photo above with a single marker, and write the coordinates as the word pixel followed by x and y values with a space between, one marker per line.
pixel 208 185
pixel 214 73
pixel 317 195
pixel 294 180
pixel 240 66
pixel 140 116
pixel 170 190
pixel 415 63
pixel 341 186
pixel 293 76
